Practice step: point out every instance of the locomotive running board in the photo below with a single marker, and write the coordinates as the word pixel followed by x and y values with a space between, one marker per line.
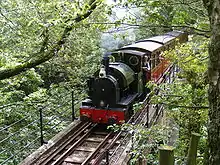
pixel 128 100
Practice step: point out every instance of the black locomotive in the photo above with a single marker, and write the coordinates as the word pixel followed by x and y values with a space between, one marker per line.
pixel 122 77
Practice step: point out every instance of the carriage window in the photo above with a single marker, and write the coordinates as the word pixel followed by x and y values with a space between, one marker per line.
pixel 168 46
pixel 146 63
pixel 158 58
pixel 152 61
pixel 133 60
pixel 120 56
pixel 161 57
pixel 155 59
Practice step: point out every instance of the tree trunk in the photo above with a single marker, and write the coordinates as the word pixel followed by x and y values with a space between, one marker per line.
pixel 213 7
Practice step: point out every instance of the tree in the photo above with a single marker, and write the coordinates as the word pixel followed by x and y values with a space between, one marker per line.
pixel 185 99
pixel 156 17
pixel 213 8
pixel 44 45
pixel 55 40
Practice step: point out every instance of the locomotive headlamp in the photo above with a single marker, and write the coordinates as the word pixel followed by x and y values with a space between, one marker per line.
pixel 102 103
pixel 102 73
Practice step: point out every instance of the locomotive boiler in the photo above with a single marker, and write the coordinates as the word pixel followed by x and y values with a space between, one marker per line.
pixel 112 92
pixel 121 81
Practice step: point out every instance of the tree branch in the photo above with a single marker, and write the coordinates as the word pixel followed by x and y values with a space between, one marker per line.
pixel 43 55
pixel 192 29
pixel 1 13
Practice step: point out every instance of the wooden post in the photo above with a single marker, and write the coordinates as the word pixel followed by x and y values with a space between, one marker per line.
pixel 192 152
pixel 166 155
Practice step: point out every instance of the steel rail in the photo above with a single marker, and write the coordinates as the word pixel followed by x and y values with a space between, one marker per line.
pixel 91 156
pixel 71 149
pixel 127 138
pixel 139 119
pixel 101 156
pixel 65 144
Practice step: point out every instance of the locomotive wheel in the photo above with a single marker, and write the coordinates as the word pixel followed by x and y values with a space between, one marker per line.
pixel 85 118
pixel 112 120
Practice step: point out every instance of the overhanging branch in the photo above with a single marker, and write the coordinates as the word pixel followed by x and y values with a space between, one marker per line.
pixel 43 55
pixel 191 28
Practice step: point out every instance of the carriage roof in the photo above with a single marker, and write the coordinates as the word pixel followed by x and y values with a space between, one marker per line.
pixel 153 43
pixel 145 46
pixel 128 51
pixel 158 39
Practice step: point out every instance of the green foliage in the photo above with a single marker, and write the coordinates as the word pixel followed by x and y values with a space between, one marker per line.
pixel 137 106
pixel 186 99
pixel 158 16
pixel 29 27
pixel 192 59
pixel 32 27
pixel 145 141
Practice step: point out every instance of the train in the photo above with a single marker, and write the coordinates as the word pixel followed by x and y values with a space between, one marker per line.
pixel 121 80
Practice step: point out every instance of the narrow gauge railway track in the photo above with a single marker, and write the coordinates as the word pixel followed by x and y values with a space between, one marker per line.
pixel 93 144
pixel 82 147
pixel 90 145
pixel 147 116
pixel 112 152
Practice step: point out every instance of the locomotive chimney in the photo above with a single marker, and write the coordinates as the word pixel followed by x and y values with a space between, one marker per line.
pixel 105 62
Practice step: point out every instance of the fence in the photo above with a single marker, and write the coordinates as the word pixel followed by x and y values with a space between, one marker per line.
pixel 25 127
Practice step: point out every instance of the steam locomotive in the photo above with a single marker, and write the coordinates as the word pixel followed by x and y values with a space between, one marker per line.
pixel 122 77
